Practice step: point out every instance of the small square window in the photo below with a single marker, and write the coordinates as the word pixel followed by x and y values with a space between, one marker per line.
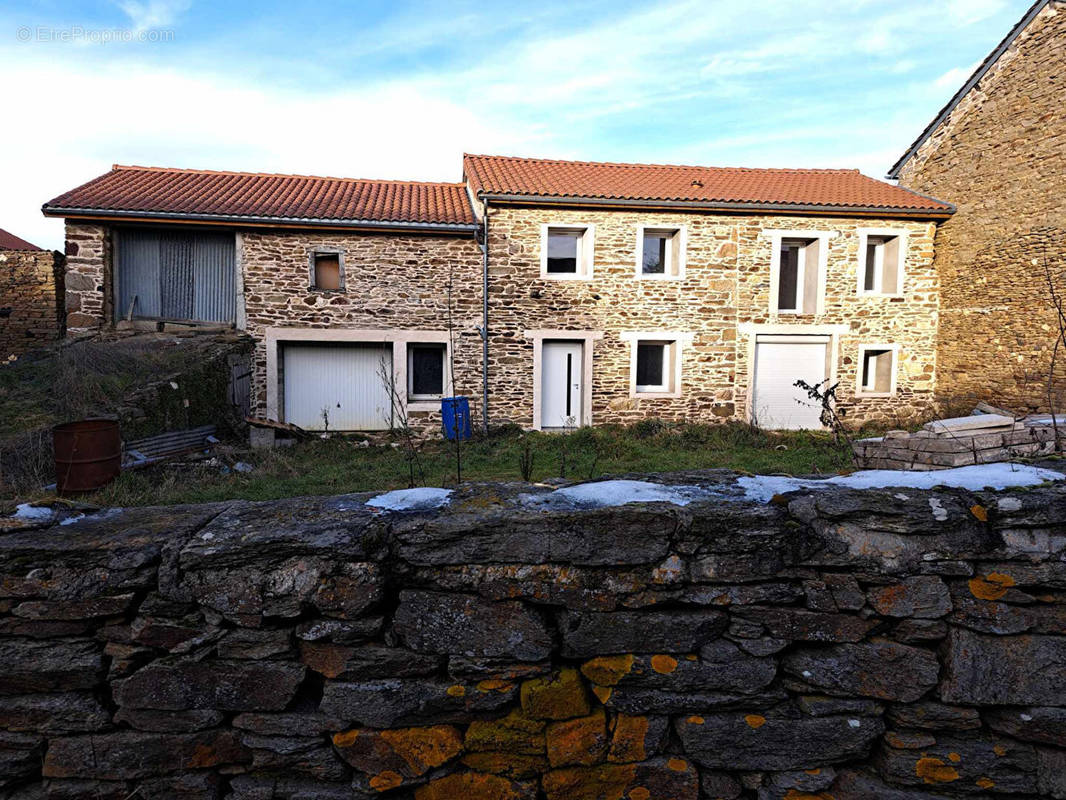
pixel 326 272
pixel 566 252
pixel 878 368
pixel 881 262
pixel 660 253
pixel 425 371
pixel 797 276
pixel 655 367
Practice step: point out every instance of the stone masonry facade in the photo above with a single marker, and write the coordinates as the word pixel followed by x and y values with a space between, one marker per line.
pixel 723 300
pixel 397 282
pixel 29 313
pixel 88 298
pixel 392 282
pixel 833 643
pixel 999 157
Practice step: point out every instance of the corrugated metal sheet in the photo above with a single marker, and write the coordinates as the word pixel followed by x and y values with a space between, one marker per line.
pixel 176 275
pixel 338 387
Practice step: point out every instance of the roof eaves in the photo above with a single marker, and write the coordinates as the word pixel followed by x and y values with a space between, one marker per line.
pixel 703 205
pixel 973 80
pixel 60 211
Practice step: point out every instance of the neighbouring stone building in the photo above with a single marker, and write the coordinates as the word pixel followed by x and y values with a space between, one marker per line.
pixel 31 288
pixel 606 292
pixel 998 152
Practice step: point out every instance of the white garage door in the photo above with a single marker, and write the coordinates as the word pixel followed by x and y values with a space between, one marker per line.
pixel 780 361
pixel 338 387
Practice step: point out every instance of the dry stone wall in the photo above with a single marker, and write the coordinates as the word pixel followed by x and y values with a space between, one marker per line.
pixel 898 644
pixel 999 159
pixel 29 312
pixel 88 274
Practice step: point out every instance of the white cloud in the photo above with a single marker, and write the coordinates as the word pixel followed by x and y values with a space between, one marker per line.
pixel 153 14
pixel 969 12
pixel 140 115
pixel 955 77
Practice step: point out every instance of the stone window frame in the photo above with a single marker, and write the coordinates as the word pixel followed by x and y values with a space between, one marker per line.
pixel 680 340
pixel 314 252
pixel 588 339
pixel 776 235
pixel 901 269
pixel 446 377
pixel 679 258
pixel 587 247
pixel 863 348
pixel 276 337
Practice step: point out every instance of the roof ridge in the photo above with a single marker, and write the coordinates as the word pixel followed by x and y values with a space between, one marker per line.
pixel 115 167
pixel 790 170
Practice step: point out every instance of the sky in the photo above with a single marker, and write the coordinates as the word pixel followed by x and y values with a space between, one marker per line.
pixel 400 90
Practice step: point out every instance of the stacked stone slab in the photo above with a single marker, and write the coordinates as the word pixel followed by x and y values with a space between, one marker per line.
pixel 931 450
pixel 29 310
pixel 833 643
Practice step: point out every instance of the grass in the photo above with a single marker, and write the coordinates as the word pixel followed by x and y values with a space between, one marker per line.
pixel 340 465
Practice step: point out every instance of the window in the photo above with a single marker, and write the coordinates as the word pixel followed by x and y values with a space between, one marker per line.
pixel 797 276
pixel 425 371
pixel 881 262
pixel 566 252
pixel 656 367
pixel 327 271
pixel 877 370
pixel 660 252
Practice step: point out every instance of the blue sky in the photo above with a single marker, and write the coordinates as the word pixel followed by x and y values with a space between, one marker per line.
pixel 400 90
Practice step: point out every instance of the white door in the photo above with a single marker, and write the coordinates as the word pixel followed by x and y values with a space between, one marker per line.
pixel 561 394
pixel 777 403
pixel 338 387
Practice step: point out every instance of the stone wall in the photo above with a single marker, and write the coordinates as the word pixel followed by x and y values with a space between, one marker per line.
pixel 393 281
pixel 837 644
pixel 724 293
pixel 88 302
pixel 999 158
pixel 29 311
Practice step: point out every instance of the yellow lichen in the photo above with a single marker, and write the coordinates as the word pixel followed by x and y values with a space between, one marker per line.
pixel 664 665
pixel 677 764
pixel 627 739
pixel 424 748
pixel 985 783
pixel 954 758
pixel 494 685
pixel 458 690
pixel 603 693
pixel 696 720
pixel 559 696
pixel 608 670
pixel 346 738
pixel 755 721
pixel 639 793
pixel 934 770
pixel 980 512
pixel 386 780
pixel 991 586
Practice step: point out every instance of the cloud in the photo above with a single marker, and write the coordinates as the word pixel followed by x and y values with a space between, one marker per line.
pixel 153 14
pixel 955 77
pixel 969 12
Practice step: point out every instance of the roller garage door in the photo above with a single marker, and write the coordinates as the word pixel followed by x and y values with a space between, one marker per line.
pixel 339 386
pixel 777 403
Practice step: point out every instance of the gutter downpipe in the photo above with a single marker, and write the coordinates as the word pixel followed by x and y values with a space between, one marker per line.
pixel 485 318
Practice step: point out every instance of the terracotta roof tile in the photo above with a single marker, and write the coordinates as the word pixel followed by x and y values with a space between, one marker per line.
pixel 9 241
pixel 713 186
pixel 159 192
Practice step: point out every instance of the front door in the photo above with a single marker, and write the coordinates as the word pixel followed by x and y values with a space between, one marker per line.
pixel 562 390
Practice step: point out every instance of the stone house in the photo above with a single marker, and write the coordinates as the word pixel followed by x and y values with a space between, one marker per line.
pixel 997 150
pixel 30 315
pixel 603 292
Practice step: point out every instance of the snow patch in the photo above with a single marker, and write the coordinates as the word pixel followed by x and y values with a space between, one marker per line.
pixel 108 512
pixel 420 499
pixel 940 514
pixel 30 512
pixel 1001 475
pixel 617 493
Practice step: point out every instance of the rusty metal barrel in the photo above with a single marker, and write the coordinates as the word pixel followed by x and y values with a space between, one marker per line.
pixel 88 454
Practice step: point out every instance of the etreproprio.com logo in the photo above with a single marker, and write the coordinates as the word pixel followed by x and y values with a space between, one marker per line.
pixel 77 33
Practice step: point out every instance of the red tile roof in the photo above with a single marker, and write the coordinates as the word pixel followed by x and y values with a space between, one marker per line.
pixel 160 193
pixel 712 187
pixel 9 241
